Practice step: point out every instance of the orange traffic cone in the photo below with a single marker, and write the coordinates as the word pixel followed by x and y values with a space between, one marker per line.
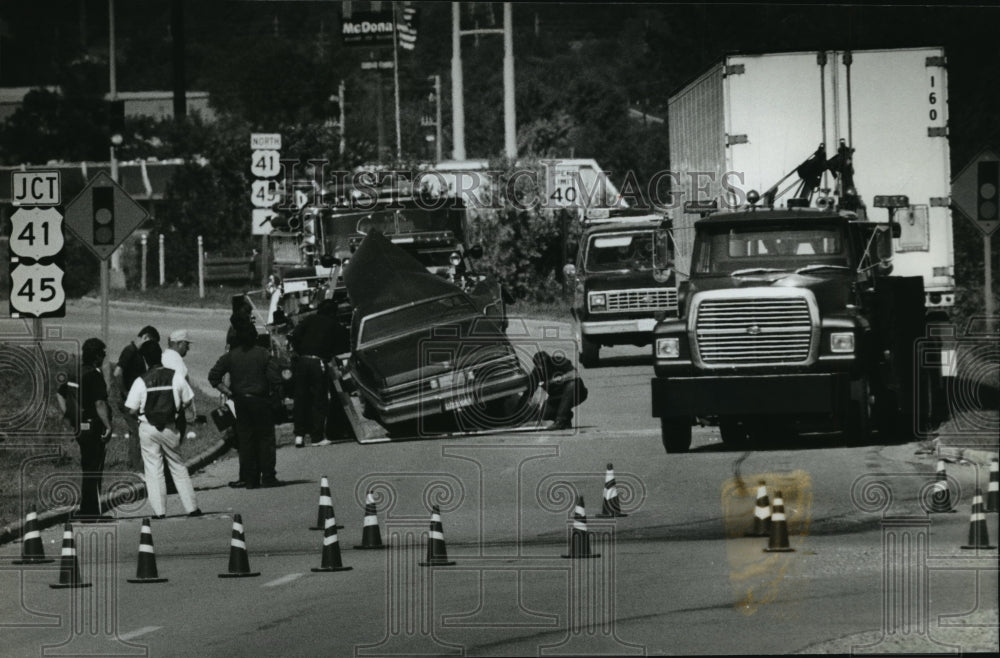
pixel 325 506
pixel 331 547
pixel 993 489
pixel 32 551
pixel 69 567
pixel 778 542
pixel 941 497
pixel 610 507
pixel 761 514
pixel 979 536
pixel 371 537
pixel 145 570
pixel 579 539
pixel 239 561
pixel 437 553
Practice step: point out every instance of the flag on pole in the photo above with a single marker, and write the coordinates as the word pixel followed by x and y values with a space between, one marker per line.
pixel 407 28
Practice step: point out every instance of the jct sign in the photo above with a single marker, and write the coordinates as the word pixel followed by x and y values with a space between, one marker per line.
pixel 367 28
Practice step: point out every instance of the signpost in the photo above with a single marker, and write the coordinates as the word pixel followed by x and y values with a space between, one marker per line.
pixel 102 216
pixel 36 248
pixel 265 164
pixel 975 191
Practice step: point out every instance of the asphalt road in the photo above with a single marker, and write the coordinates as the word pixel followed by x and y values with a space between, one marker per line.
pixel 676 576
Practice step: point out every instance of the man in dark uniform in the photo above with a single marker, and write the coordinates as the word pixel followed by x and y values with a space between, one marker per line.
pixel 95 427
pixel 130 366
pixel 563 386
pixel 315 340
pixel 253 374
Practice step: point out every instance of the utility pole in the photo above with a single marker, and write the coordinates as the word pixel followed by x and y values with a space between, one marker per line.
pixel 457 92
pixel 340 96
pixel 395 80
pixel 509 120
pixel 437 119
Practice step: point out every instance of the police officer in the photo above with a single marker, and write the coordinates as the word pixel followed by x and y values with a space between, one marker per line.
pixel 95 427
pixel 252 374
pixel 563 387
pixel 316 340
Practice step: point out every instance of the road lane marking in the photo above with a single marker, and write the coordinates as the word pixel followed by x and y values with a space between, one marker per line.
pixel 284 579
pixel 136 633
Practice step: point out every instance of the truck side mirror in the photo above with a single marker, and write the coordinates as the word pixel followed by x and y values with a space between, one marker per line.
pixel 476 251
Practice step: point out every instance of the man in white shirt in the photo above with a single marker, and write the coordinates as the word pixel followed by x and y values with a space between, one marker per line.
pixel 178 345
pixel 161 429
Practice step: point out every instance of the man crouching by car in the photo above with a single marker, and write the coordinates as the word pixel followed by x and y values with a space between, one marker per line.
pixel 563 387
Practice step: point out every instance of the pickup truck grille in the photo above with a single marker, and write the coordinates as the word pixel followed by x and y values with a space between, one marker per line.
pixel 641 299
pixel 760 330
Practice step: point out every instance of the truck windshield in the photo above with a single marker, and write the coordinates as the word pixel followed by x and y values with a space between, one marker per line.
pixel 728 249
pixel 608 252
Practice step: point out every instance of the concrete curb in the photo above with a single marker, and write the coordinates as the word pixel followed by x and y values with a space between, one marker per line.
pixel 58 516
pixel 981 456
pixel 141 306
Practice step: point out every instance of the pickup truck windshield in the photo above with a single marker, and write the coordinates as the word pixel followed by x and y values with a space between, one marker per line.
pixel 609 252
pixel 727 249
pixel 410 319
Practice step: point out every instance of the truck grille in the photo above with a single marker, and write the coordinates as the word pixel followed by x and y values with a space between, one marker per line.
pixel 776 330
pixel 642 299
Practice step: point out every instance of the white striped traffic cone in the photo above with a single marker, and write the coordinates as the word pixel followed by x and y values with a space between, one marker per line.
pixel 325 506
pixel 778 541
pixel 761 513
pixel 331 546
pixel 437 552
pixel 239 561
pixel 940 496
pixel 979 536
pixel 371 536
pixel 69 567
pixel 32 550
pixel 611 507
pixel 579 538
pixel 145 569
pixel 993 489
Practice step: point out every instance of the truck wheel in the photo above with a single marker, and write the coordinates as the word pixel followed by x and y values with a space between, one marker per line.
pixel 589 353
pixel 734 433
pixel 676 433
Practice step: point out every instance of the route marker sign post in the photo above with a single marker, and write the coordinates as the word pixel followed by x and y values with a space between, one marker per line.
pixel 37 262
pixel 975 192
pixel 102 216
pixel 265 165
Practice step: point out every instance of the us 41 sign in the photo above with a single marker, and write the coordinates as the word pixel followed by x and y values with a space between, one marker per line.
pixel 37 263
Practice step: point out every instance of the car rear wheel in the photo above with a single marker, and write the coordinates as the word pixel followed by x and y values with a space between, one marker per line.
pixel 676 433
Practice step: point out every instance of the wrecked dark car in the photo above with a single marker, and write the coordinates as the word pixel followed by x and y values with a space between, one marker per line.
pixel 421 346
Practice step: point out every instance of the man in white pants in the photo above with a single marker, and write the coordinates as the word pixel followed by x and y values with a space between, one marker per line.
pixel 161 438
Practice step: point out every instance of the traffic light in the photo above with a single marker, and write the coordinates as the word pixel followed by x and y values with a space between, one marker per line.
pixel 987 184
pixel 103 216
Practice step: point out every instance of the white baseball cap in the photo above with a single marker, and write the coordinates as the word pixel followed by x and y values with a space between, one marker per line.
pixel 179 335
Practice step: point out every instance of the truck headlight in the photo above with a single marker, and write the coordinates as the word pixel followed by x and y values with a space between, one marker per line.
pixel 668 348
pixel 598 301
pixel 842 342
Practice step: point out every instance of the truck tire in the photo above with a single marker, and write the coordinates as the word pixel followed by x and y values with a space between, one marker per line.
pixel 589 353
pixel 676 433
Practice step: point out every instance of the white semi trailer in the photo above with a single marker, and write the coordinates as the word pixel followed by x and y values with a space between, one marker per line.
pixel 750 121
